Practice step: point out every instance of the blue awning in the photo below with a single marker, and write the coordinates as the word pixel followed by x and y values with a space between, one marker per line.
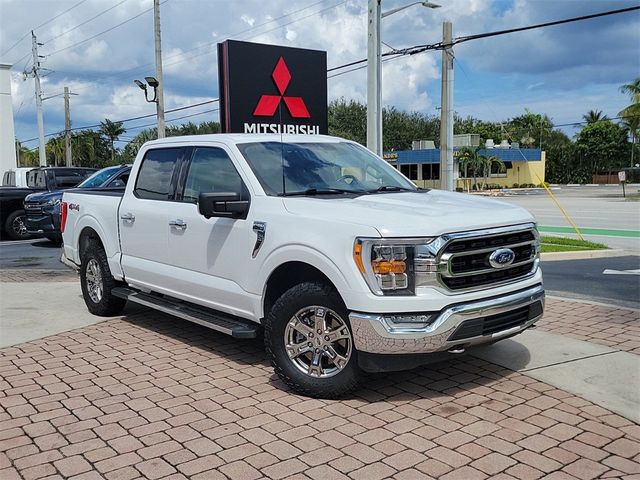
pixel 433 155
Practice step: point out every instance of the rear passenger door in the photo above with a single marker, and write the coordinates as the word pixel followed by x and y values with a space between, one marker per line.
pixel 209 255
pixel 143 221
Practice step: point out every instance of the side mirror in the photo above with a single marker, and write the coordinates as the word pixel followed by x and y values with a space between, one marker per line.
pixel 223 204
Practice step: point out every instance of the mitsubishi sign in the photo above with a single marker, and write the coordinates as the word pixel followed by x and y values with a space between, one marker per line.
pixel 272 89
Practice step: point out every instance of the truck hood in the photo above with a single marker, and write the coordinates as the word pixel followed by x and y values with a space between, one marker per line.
pixel 409 214
pixel 41 197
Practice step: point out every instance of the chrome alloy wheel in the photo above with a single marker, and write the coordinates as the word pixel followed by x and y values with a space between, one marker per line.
pixel 318 342
pixel 93 277
pixel 19 226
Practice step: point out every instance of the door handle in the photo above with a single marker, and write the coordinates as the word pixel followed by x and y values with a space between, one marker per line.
pixel 128 217
pixel 179 224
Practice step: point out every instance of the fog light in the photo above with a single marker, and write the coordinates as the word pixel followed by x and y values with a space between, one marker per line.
pixel 417 320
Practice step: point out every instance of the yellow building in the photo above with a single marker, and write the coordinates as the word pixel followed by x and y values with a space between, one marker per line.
pixel 524 166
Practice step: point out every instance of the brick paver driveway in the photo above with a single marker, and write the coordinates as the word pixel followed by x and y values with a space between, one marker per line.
pixel 150 396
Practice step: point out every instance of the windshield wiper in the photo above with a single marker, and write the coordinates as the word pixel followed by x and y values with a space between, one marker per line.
pixel 322 191
pixel 391 188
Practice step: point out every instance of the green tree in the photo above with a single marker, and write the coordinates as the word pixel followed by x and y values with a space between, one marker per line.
pixel 530 129
pixel 602 147
pixel 593 116
pixel 631 114
pixel 470 163
pixel 562 164
pixel 55 150
pixel 112 131
pixel 348 120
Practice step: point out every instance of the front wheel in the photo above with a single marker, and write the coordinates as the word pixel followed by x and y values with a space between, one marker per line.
pixel 96 282
pixel 309 341
pixel 16 226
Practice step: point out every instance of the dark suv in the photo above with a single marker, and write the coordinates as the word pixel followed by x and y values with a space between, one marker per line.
pixel 12 215
pixel 43 208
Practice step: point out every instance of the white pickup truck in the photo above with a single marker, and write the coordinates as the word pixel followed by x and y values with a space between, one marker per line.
pixel 342 261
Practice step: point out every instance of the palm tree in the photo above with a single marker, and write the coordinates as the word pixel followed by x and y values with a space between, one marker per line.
pixel 631 114
pixel 487 164
pixel 593 116
pixel 470 160
pixel 56 149
pixel 112 131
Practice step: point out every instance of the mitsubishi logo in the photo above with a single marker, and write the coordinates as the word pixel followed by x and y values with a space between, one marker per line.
pixel 268 104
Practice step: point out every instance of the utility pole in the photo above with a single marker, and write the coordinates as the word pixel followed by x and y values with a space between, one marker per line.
pixel 67 128
pixel 447 180
pixel 160 90
pixel 36 75
pixel 374 79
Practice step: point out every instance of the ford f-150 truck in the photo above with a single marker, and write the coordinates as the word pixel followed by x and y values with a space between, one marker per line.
pixel 343 262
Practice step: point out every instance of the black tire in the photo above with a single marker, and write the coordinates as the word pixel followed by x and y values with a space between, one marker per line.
pixel 15 226
pixel 54 238
pixel 292 302
pixel 93 269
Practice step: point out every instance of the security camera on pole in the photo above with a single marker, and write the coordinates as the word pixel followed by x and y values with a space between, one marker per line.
pixel 160 84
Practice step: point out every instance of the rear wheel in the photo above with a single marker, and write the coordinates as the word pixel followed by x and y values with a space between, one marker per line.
pixel 309 341
pixel 16 226
pixel 97 283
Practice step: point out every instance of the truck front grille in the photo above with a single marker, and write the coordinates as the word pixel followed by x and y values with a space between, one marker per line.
pixel 33 208
pixel 467 259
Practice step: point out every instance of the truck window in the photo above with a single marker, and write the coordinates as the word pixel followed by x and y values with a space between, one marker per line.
pixel 211 170
pixel 156 172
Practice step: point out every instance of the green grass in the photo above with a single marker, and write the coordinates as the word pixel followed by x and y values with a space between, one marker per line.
pixel 562 244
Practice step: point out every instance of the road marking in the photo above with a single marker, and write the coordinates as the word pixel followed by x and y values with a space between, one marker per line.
pixel 592 231
pixel 609 271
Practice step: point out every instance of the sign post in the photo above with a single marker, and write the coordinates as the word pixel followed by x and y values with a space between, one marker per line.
pixel 622 177
pixel 272 89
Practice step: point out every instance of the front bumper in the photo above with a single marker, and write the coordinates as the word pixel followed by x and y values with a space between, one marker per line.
pixel 40 223
pixel 456 327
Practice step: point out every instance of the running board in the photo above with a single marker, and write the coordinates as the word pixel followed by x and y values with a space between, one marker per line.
pixel 228 324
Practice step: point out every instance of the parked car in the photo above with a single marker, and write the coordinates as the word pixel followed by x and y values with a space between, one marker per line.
pixel 43 208
pixel 16 177
pixel 12 215
pixel 345 264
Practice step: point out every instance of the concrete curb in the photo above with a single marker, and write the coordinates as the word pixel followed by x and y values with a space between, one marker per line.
pixel 563 298
pixel 583 254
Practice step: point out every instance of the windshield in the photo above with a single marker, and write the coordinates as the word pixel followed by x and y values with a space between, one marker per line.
pixel 98 178
pixel 312 168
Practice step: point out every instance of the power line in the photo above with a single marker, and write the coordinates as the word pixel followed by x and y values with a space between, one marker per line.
pixel 85 22
pixel 41 25
pixel 392 55
pixel 103 32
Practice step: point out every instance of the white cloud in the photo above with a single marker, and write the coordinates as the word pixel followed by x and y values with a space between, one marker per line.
pixel 581 59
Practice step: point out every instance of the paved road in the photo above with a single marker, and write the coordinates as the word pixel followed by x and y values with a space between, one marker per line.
pixel 37 254
pixel 589 207
pixel 585 279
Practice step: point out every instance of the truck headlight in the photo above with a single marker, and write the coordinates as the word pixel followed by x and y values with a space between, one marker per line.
pixel 53 202
pixel 394 266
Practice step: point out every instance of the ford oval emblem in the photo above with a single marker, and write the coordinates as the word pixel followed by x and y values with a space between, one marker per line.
pixel 501 258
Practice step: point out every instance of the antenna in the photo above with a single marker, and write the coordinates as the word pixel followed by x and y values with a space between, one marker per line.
pixel 284 187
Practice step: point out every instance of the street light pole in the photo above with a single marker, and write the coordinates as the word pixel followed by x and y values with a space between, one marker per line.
pixel 374 71
pixel 374 80
pixel 447 180
pixel 160 89
pixel 42 155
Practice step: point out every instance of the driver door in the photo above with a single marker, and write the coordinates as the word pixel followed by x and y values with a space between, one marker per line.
pixel 209 256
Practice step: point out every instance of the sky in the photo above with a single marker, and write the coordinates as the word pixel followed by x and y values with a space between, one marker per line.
pixel 562 71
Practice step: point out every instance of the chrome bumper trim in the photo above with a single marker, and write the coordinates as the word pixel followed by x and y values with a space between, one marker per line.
pixel 373 334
